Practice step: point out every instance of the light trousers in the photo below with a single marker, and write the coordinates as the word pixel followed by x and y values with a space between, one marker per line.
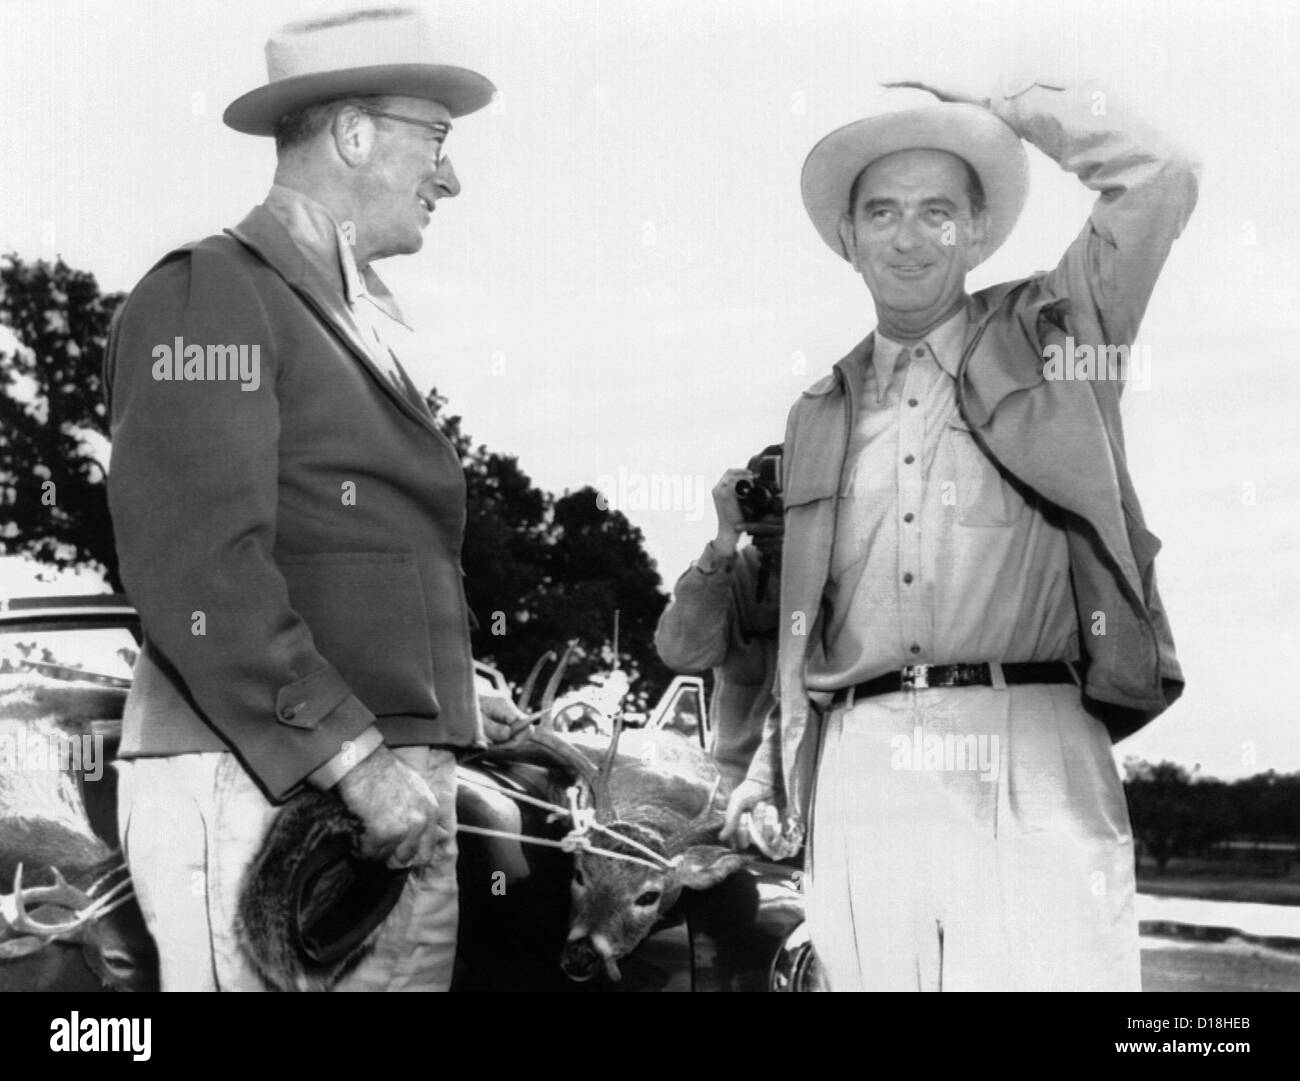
pixel 971 839
pixel 190 826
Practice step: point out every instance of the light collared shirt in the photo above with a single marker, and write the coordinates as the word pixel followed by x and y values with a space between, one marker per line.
pixel 937 558
pixel 373 308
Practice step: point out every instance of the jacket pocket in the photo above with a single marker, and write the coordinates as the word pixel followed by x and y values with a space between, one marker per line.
pixel 367 616
pixel 983 498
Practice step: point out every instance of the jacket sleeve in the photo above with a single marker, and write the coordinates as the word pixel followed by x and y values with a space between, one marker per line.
pixel 765 766
pixel 193 490
pixel 694 630
pixel 1147 188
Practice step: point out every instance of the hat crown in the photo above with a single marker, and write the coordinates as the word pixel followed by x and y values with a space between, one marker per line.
pixel 389 50
pixel 351 39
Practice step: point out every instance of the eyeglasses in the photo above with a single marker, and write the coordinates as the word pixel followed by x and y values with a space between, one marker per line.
pixel 438 129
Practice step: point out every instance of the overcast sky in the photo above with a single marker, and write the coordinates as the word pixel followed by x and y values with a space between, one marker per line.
pixel 628 284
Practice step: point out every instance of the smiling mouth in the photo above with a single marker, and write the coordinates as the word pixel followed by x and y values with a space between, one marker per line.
pixel 910 270
pixel 426 203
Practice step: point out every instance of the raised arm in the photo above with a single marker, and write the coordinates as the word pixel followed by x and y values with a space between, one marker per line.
pixel 1146 188
pixel 694 630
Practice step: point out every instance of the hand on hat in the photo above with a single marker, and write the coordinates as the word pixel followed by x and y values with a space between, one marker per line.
pixel 404 826
pixel 946 91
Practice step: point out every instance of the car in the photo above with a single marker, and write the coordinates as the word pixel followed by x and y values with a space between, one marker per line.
pixel 744 934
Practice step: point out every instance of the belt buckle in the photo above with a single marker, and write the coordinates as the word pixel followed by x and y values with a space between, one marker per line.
pixel 915 677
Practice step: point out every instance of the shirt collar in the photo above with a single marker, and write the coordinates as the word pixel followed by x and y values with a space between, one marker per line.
pixel 322 240
pixel 946 342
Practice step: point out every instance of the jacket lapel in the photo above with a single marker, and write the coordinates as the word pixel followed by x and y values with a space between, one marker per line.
pixel 262 234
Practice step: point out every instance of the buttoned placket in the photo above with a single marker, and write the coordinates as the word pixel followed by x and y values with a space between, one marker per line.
pixel 914 617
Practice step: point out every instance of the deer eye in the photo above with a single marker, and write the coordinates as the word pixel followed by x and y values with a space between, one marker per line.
pixel 577 877
pixel 650 897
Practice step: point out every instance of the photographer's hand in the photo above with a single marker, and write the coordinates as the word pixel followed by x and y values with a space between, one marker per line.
pixel 729 512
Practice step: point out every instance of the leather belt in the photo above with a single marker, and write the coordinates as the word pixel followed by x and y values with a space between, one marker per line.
pixel 991 674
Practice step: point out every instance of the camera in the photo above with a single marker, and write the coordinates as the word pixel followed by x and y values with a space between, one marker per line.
pixel 761 497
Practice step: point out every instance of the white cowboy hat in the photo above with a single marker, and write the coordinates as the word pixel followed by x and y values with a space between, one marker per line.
pixel 912 120
pixel 378 51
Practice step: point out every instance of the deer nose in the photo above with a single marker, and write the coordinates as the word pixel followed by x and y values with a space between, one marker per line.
pixel 580 960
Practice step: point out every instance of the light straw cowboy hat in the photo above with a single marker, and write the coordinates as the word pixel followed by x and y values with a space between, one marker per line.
pixel 912 120
pixel 377 51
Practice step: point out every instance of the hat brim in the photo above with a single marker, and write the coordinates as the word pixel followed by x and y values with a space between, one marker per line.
pixel 989 145
pixel 462 91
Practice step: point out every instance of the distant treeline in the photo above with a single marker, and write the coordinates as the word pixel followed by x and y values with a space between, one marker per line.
pixel 1177 814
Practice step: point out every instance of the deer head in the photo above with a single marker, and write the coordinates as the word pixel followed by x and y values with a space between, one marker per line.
pixel 641 863
pixel 103 919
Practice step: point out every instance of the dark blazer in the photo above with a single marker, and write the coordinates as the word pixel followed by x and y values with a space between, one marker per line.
pixel 293 550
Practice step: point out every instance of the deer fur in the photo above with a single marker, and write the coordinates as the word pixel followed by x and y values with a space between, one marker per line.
pixel 44 827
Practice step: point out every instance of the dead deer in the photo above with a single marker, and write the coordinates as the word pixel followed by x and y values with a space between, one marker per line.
pixel 69 913
pixel 654 835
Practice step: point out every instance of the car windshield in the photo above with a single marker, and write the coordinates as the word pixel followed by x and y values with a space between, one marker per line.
pixel 95 653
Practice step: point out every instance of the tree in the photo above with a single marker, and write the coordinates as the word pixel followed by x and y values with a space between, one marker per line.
pixel 53 421
pixel 541 573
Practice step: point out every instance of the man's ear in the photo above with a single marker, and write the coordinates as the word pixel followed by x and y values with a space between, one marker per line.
pixel 702 866
pixel 979 235
pixel 848 241
pixel 353 134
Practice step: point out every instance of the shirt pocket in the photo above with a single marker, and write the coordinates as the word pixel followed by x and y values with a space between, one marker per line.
pixel 982 497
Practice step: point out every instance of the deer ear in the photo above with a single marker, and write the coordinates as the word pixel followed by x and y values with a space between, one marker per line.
pixel 702 866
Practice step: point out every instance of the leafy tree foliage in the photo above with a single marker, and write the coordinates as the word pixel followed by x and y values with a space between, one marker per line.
pixel 543 572
pixel 1177 814
pixel 53 504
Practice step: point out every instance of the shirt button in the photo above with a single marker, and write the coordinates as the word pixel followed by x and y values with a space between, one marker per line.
pixel 916 648
pixel 907 578
pixel 908 460
pixel 919 351
pixel 288 713
pixel 912 402
pixel 908 516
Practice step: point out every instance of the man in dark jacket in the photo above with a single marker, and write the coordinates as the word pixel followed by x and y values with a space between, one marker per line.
pixel 289 518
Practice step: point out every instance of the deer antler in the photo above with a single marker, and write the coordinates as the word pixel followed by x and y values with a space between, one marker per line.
pixel 526 695
pixel 600 789
pixel 564 752
pixel 64 896
pixel 553 684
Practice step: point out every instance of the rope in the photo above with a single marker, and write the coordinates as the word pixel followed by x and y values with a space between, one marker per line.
pixel 574 841
pixel 660 863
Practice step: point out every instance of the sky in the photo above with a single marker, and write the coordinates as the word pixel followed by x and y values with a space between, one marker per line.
pixel 627 292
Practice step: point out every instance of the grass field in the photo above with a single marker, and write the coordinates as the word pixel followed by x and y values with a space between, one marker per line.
pixel 1220 880
pixel 1170 964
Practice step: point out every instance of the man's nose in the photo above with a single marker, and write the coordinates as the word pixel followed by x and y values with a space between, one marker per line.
pixel 907 236
pixel 445 180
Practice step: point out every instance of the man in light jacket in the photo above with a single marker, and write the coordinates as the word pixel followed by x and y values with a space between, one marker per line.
pixel 723 616
pixel 969 608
